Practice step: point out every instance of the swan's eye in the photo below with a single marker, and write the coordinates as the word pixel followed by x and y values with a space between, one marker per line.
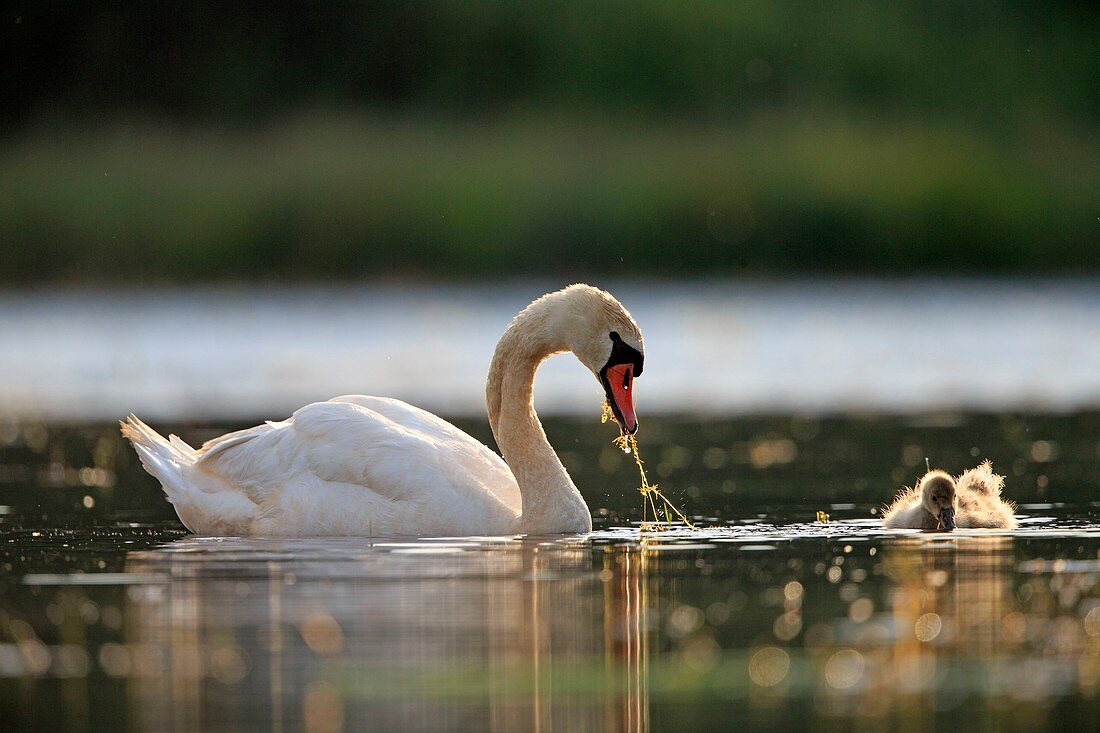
pixel 614 336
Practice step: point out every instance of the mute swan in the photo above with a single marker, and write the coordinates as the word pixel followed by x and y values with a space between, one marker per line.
pixel 358 465
pixel 941 502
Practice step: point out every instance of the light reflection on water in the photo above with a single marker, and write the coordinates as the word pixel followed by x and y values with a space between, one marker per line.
pixel 767 625
pixel 112 618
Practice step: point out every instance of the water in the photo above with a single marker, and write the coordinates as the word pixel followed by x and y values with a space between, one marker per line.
pixel 712 348
pixel 112 617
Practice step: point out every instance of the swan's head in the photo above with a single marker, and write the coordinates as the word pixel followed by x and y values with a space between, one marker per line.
pixel 937 495
pixel 605 338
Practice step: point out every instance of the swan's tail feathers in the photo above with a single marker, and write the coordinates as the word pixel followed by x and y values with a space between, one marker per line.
pixel 163 458
pixel 160 456
pixel 206 503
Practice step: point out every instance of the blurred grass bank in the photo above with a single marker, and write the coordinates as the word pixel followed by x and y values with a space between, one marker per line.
pixel 368 196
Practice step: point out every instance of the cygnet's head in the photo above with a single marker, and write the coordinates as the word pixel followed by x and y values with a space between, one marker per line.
pixel 937 495
pixel 605 338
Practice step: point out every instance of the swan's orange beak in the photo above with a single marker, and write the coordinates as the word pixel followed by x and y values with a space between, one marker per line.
pixel 619 383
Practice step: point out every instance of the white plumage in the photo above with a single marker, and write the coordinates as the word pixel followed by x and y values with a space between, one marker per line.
pixel 359 465
pixel 352 465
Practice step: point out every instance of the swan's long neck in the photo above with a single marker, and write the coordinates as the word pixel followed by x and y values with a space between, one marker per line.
pixel 551 503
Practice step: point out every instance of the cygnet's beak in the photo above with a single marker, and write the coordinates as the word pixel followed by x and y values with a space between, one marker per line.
pixel 947 518
pixel 618 383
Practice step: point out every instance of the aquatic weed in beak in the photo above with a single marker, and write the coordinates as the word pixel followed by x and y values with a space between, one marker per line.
pixel 628 443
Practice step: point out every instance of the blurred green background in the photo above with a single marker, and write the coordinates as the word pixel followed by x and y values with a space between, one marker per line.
pixel 462 138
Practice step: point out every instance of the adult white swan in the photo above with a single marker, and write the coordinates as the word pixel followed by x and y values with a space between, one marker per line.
pixel 360 465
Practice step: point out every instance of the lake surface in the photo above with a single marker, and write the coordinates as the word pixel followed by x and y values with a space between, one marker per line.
pixel 715 348
pixel 112 617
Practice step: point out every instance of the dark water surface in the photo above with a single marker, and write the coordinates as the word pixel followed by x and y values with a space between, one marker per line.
pixel 112 617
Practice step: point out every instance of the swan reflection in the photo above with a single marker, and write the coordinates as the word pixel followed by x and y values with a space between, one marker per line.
pixel 434 636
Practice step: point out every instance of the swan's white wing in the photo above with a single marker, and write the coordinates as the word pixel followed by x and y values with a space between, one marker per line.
pixel 406 455
pixel 471 455
pixel 252 461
